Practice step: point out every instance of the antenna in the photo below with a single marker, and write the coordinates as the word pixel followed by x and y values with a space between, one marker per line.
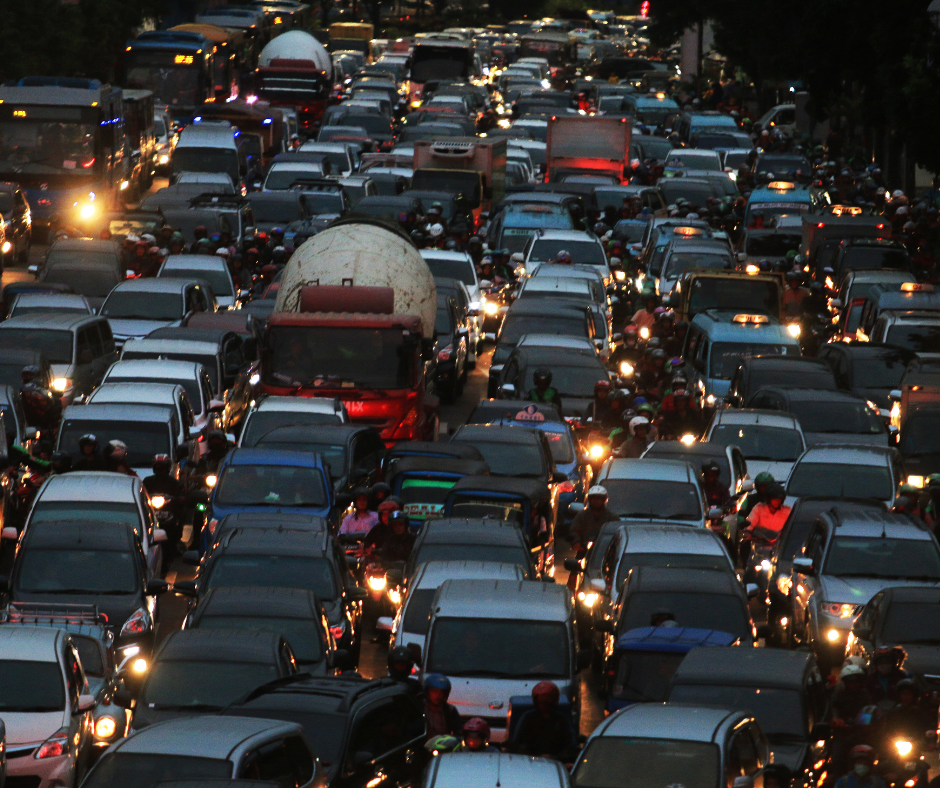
pixel 498 764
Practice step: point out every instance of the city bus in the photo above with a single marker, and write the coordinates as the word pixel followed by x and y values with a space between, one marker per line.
pixel 175 66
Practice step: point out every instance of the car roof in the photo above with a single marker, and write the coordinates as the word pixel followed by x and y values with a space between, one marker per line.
pixel 118 411
pixel 516 599
pixel 432 574
pixel 652 470
pixel 291 521
pixel 441 254
pixel 483 770
pixel 811 394
pixel 153 285
pixel 221 645
pixel 191 736
pixel 454 530
pixel 62 321
pixel 566 235
pixel 31 644
pixel 682 580
pixel 162 345
pixel 320 433
pixel 848 454
pixel 924 594
pixel 298 405
pixel 208 262
pixel 755 416
pixel 668 721
pixel 861 522
pixel 85 245
pixel 763 667
pixel 533 489
pixel 81 486
pixel 153 368
pixel 719 325
pixel 677 539
pixel 260 601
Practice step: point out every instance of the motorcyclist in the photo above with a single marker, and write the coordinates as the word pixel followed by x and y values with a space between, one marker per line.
pixel 476 736
pixel 115 458
pixel 766 518
pixel 543 391
pixel 716 492
pixel 361 520
pixel 680 419
pixel 795 294
pixel 639 440
pixel 589 521
pixel 61 462
pixel 400 542
pixel 908 721
pixel 863 758
pixel 645 318
pixel 758 495
pixel 886 672
pixel 89 457
pixel 217 448
pixel 401 661
pixel 43 409
pixel 628 353
pixel 848 699
pixel 441 717
pixel 163 484
pixel 382 529
pixel 380 492
pixel 599 409
pixel 545 730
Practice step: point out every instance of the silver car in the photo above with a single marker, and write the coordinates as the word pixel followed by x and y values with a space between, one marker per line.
pixel 484 770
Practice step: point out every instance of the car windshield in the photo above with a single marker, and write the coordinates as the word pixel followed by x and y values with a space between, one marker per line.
pixel 589 252
pixel 143 306
pixel 538 218
pixel 868 258
pixel 726 356
pixel 693 160
pixel 652 498
pixel 147 771
pixel 840 481
pixel 91 282
pixel 90 655
pixel 271 485
pixel 516 649
pixel 453 269
pixel 680 262
pixel 56 346
pixel 723 612
pixel 920 434
pixel 909 622
pixel 877 556
pixel 302 634
pixel 561 446
pixel 274 571
pixel 573 381
pixel 644 676
pixel 757 442
pixel 443 325
pixel 277 211
pixel 144 439
pixel 286 176
pixel 920 339
pixel 75 571
pixel 423 498
pixel 771 244
pixel 670 561
pixel 195 159
pixel 500 554
pixel 779 712
pixel 574 325
pixel 89 511
pixel 261 423
pixel 618 762
pixel 202 684
pixel 744 295
pixel 418 611
pixel 509 459
pixel 219 281
pixel 31 686
pixel 842 416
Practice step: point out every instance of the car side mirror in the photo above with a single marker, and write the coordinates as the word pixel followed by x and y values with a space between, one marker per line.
pixel 743 782
pixel 559 478
pixel 159 536
pixel 821 731
pixel 362 758
pixel 129 273
pixel 340 660
pixel 741 257
pixel 752 590
pixel 862 633
pixel 716 513
pixel 605 625
pixel 895 395
pixel 747 486
pixel 357 594
pixel 507 391
pixel 156 586
pixel 185 587
pixel 804 566
pixel 191 557
pixel 599 585
pixel 573 565
pixel 385 624
pixel 33 269
pixel 485 283
pixel 194 432
pixel 122 698
pixel 9 532
pixel 85 703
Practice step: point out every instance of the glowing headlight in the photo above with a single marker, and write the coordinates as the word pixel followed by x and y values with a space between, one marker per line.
pixel 903 747
pixel 395 596
pixel 839 609
pixel 164 159
pixel 87 211
pixel 765 565
pixel 490 308
pixel 124 185
pixel 626 368
pixel 620 276
pixel 896 411
pixel 710 399
pixel 832 635
pixel 377 583
pixel 597 451
pixel 7 246
pixel 255 379
pixel 644 333
pixel 783 584
pixel 752 269
pixel 590 599
pixel 793 329
pixel 916 481
pixel 829 283
pixel 688 439
pixel 158 501
pixel 211 480
pixel 105 728
pixel 61 384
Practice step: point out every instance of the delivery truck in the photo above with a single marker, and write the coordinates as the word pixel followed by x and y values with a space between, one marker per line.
pixel 581 145
pixel 472 166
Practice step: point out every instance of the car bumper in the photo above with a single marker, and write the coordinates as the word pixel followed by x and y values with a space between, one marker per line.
pixel 24 770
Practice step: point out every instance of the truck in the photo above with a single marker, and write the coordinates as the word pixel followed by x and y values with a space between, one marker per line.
pixel 139 138
pixel 295 71
pixel 436 59
pixel 823 232
pixel 354 320
pixel 588 146
pixel 473 166
pixel 702 289
pixel 352 37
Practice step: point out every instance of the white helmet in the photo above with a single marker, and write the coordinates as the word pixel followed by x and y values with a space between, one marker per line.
pixel 638 421
pixel 597 489
pixel 118 449
pixel 436 230
pixel 851 670
pixel 222 251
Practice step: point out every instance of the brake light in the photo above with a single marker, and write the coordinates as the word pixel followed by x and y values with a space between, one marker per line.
pixel 445 353
pixel 566 487
pixel 338 631
pixel 213 524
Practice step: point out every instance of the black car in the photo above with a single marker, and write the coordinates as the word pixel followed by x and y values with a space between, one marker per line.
pixel 277 209
pixel 510 451
pixel 390 208
pixel 295 613
pixel 361 730
pixel 451 347
pixel 281 521
pixel 198 671
pixel 284 559
pixel 16 216
pixel 757 372
pixel 867 369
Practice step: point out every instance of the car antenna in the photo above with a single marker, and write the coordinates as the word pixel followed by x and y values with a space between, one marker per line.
pixel 498 763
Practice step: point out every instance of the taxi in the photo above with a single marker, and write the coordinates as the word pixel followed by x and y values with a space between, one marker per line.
pixel 781 198
pixel 719 338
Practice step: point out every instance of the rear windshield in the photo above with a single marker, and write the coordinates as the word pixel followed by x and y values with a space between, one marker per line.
pixel 56 346
pixel 95 283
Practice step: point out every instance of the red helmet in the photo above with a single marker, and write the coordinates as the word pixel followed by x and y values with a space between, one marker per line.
pixel 546 689
pixel 862 751
pixel 601 385
pixel 389 505
pixel 630 330
pixel 477 725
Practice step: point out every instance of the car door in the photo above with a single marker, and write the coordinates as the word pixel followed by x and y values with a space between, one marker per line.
pixel 85 357
pixel 79 723
pixel 101 358
pixel 287 762
pixel 110 349
pixel 805 586
pixel 866 627
pixel 238 392
pixel 390 731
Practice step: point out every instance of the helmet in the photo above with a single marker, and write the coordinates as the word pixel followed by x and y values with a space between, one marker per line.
pixel 30 373
pixel 477 725
pixel 88 440
pixel 638 421
pixel 381 487
pixel 360 492
pixel 216 435
pixel 775 491
pixel 436 230
pixel 601 385
pixel 710 467
pixel 117 449
pixel 398 516
pixel 542 375
pixel 222 251
pixel 764 477
pixel 442 744
pixel 902 504
pixel 450 245
pixel 400 655
pixel 546 689
pixel 437 681
pixel 895 654
pixel 277 231
pixel 630 331
pixel 389 505
pixel 597 489
pixel 563 256
pixel 658 355
pixel 161 462
pixel 852 671
pixel 906 684
pixel 860 751
pixel 933 480
pixel 794 276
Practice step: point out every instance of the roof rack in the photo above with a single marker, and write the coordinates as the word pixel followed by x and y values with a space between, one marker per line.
pixel 209 198
pixel 53 613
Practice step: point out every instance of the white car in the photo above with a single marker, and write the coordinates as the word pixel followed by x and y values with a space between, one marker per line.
pixel 273 412
pixel 771 441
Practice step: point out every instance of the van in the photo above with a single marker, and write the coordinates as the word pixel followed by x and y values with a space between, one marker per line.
pixel 210 147
pixel 496 639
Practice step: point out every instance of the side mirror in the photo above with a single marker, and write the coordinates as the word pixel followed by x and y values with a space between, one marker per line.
pixel 862 633
pixel 716 513
pixel 573 565
pixel 231 438
pixel 185 587
pixel 765 631
pixel 362 758
pixel 485 284
pixel 741 257
pixel 191 557
pixel 804 566
pixel 194 433
pixel 747 486
pixel 357 594
pixel 598 585
pixel 821 731
pixel 340 660
pixel 394 577
pixel 129 274
pixel 752 590
pixel 156 586
pixel 85 703
pixel 385 624
pixel 33 269
pixel 743 782
pixel 575 508
pixel 30 433
pixel 216 406
pixel 507 391
pixel 559 478
pixel 836 303
pixel 895 395
pixel 159 536
pixel 9 532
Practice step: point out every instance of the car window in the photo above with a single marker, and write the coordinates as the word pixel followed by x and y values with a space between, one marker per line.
pixel 286 762
pixel 378 731
pixel 107 338
pixel 95 341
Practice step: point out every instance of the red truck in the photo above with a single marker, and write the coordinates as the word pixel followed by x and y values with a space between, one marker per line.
pixel 346 327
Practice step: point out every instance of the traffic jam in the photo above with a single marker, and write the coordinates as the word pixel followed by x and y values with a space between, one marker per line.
pixel 477 407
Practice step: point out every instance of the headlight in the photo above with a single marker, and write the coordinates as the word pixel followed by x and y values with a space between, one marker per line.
pixel 377 583
pixel 597 451
pixel 394 596
pixel 139 666
pixel 589 599
pixel 158 501
pixel 138 623
pixel 620 276
pixel 832 635
pixel 490 308
pixel 105 728
pixel 765 565
pixel 212 480
pixel 61 384
pixel 838 609
pixel 783 584
pixel 626 368
pixel 903 747
pixel 710 399
pixel 164 159
pixel 644 333
pixel 7 246
pixel 87 211
pixel 124 185
pixel 917 481
pixel 688 439
pixel 793 329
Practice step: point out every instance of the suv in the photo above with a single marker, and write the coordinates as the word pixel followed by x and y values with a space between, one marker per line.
pixel 138 306
pixel 769 441
pixel 757 372
pixel 272 412
pixel 840 471
pixel 667 489
pixel 915 331
pixel 850 555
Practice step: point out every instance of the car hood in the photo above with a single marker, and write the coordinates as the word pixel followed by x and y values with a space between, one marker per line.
pixel 790 755
pixel 31 727
pixel 137 328
pixel 816 438
pixel 117 607
pixel 858 590
pixel 779 470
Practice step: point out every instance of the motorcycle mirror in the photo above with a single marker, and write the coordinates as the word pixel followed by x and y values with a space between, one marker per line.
pixel 157 586
pixel 485 283
pixel 598 585
pixel 752 590
pixel 747 485
pixel 9 532
pixel 715 513
pixel 573 565
pixel 384 623
pixel 159 535
pixel 575 508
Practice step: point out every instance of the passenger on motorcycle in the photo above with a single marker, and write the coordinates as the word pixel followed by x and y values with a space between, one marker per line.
pixel 644 318
pixel 680 418
pixel 772 514
pixel 115 458
pixel 360 520
pixel 380 492
pixel 401 661
pixel 543 391
pixel 89 459
pixel 639 440
pixel 545 730
pixel 476 736
pixel 861 776
pixel 716 493
pixel 906 722
pixel 589 521
pixel 383 528
pixel 441 717
pixel 598 412
pixel 400 542
pixel 886 672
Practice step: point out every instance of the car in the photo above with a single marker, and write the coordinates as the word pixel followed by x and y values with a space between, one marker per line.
pixel 410 625
pixel 80 348
pixel 451 349
pixel 586 571
pixel 717 340
pixel 341 158
pixel 866 254
pixel 916 331
pixel 674 742
pixel 515 633
pixel 849 556
pixel 467 316
pixel 770 441
pixel 853 292
pixel 30 303
pixel 477 770
pixel 512 452
pixel 756 372
pixel 14 210
pixel 733 468
pixel 685 254
pixel 552 287
pixel 846 471
pixel 782 198
pixel 47 707
pixel 422 484
pixel 88 251
pixel 209 268
pixel 90 562
pixel 271 412
pixel 295 613
pixel 489 411
pixel 868 371
pixel 826 416
pixel 693 159
pixel 14 418
pixel 916 442
pixel 170 394
pixel 657 489
pixel 516 223
pixel 203 670
pixel 312 560
pixel 92 280
pixel 585 249
pixel 180 751
pixel 783 690
pixel 136 307
pixel 340 716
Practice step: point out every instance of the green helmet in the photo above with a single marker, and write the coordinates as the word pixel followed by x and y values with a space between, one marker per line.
pixel 764 477
pixel 442 744
pixel 933 480
pixel 645 408
pixel 909 490
pixel 791 254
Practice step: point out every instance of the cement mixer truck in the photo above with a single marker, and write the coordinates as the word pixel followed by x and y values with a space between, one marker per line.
pixel 354 319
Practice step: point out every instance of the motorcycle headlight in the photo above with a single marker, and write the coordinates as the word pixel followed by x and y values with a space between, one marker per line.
pixel 105 728
pixel 766 565
pixel 158 501
pixel 688 439
pixel 644 333
pixel 87 211
pixel 793 329
pixel 490 308
pixel 61 384
pixel 211 480
pixel 164 159
pixel 394 596
pixel 903 747
pixel 783 584
pixel 377 583
pixel 138 623
pixel 626 368
pixel 597 451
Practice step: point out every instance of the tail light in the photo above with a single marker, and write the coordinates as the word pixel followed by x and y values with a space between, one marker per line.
pixel 445 353
pixel 566 487
pixel 338 631
pixel 57 744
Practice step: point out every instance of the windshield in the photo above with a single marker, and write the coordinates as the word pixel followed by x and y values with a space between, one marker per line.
pixel 439 62
pixel 841 481
pixel 586 252
pixel 745 295
pixel 56 346
pixel 500 554
pixel 201 684
pixel 723 612
pixel 274 571
pixel 48 147
pixel 219 281
pixel 854 418
pixel 517 649
pixel 143 306
pixel 261 423
pixel 680 262
pixel 909 622
pixel 650 498
pixel 573 381
pixel 31 686
pixel 97 511
pixel 615 762
pixel 783 164
pixel 148 771
pixel 336 357
pixel 453 269
pixel 144 439
pixel 873 258
pixel 757 442
pixel 277 211
pixel 655 148
pixel 75 571
pixel 271 485
pixel 644 676
pixel 562 447
pixel 726 356
pixel 443 325
pixel 191 159
pixel 880 373
pixel 418 611
pixel 284 177
pixel 877 556
pixel 514 326
pixel 537 217
pixel 771 245
pixel 509 459
pixel 670 561
pixel 696 193
pixel 95 283
pixel 302 634
pixel 920 339
pixel 687 159
pixel 779 712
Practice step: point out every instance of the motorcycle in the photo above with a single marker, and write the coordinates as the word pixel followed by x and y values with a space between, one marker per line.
pixel 763 542
pixel 384 584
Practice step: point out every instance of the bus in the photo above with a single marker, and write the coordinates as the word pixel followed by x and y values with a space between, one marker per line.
pixel 175 66
pixel 62 140
pixel 436 59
